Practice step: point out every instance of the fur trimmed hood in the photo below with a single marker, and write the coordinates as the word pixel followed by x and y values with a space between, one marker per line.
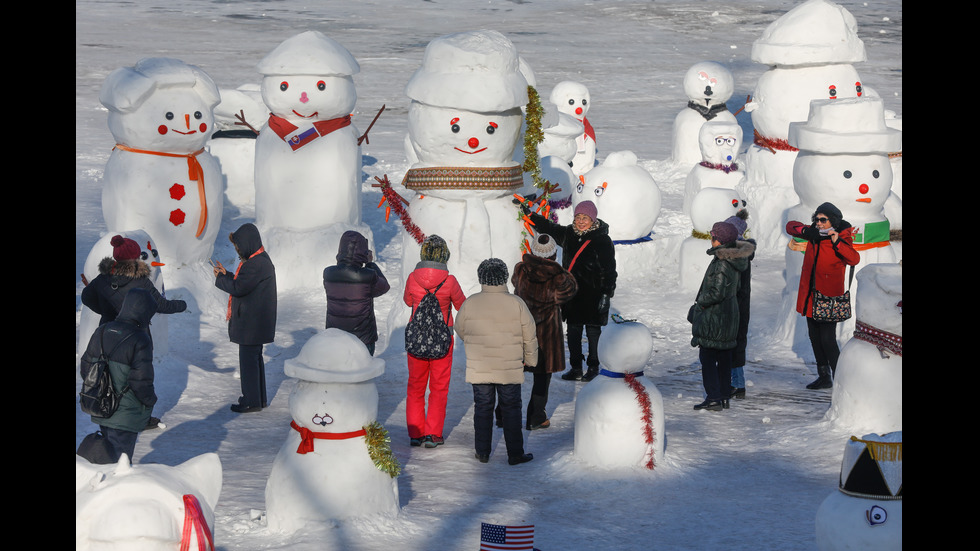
pixel 131 269
pixel 742 249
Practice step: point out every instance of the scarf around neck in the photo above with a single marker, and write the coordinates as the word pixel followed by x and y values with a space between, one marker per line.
pixel 297 137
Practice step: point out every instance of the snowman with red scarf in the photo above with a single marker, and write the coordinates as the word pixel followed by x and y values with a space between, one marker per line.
pixel 573 98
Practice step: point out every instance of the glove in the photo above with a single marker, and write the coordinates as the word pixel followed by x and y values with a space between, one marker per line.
pixel 604 305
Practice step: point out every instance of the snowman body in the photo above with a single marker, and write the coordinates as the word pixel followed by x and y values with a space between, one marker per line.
pixel 159 177
pixel 710 205
pixel 868 383
pixel 708 85
pixel 556 152
pixel 720 143
pixel 625 195
pixel 234 143
pixel 573 98
pixel 146 507
pixel 619 421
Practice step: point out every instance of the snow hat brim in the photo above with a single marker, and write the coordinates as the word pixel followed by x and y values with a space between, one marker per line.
pixel 816 32
pixel 334 356
pixel 476 71
pixel 847 125
pixel 309 53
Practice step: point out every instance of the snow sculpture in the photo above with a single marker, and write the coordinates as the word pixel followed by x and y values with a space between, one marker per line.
pixel 159 177
pixel 866 512
pixel 710 205
pixel 146 506
pixel 868 383
pixel 330 466
pixel 556 152
pixel 843 159
pixel 573 98
pixel 89 320
pixel 720 143
pixel 619 416
pixel 307 158
pixel 464 122
pixel 625 195
pixel 234 142
pixel 708 86
pixel 810 50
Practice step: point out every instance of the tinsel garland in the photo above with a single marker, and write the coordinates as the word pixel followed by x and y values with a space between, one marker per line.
pixel 644 399
pixel 533 136
pixel 397 203
pixel 700 235
pixel 772 144
pixel 379 448
pixel 727 169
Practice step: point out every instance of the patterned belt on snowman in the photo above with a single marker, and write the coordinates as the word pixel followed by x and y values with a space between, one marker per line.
pixel 455 177
pixel 878 337
pixel 194 172
pixel 307 436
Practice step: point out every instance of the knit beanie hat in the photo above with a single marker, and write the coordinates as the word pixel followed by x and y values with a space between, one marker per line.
pixel 739 221
pixel 434 249
pixel 492 271
pixel 831 212
pixel 124 248
pixel 544 246
pixel 587 208
pixel 724 232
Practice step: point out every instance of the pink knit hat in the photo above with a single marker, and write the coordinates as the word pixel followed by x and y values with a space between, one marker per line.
pixel 587 208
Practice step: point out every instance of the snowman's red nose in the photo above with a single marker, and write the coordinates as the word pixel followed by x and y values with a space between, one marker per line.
pixel 474 143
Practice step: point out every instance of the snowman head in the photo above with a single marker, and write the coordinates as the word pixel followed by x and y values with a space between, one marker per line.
pixel 160 104
pixel 625 195
pixel 443 136
pixel 308 78
pixel 708 83
pixel 720 142
pixel 572 98
pixel 713 204
pixel 783 95
pixel 626 347
pixel 879 297
pixel 333 407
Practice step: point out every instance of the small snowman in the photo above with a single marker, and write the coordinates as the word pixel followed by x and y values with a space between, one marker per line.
pixel 556 152
pixel 710 205
pixel 233 144
pixel 708 86
pixel 625 195
pixel 146 506
pixel 720 143
pixel 573 98
pixel 464 123
pixel 866 511
pixel 307 157
pixel 160 178
pixel 619 415
pixel 868 382
pixel 810 51
pixel 335 463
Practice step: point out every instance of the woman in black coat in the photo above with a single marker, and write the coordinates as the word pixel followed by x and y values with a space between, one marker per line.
pixel 351 286
pixel 587 252
pixel 251 312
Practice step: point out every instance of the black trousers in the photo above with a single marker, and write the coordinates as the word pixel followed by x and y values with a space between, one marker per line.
pixel 484 397
pixel 536 413
pixel 823 339
pixel 716 373
pixel 575 355
pixel 253 375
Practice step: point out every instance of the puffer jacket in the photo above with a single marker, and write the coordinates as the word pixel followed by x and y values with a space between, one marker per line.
pixel 127 343
pixel 252 290
pixel 715 314
pixel 351 287
pixel 104 295
pixel 498 334
pixel 426 277
pixel 544 286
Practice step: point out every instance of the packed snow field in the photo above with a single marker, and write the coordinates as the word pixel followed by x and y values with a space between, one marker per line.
pixel 751 477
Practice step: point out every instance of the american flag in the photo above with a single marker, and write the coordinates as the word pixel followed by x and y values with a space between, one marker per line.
pixel 494 537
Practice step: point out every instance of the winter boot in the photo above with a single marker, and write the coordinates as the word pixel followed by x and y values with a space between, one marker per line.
pixel 574 374
pixel 590 374
pixel 824 379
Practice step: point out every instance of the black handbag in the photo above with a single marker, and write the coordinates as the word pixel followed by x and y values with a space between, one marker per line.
pixel 833 308
pixel 96 449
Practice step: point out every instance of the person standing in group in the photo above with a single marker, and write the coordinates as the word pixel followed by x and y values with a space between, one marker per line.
pixel 251 312
pixel 829 250
pixel 430 274
pixel 498 331
pixel 129 349
pixel 743 297
pixel 351 286
pixel 714 314
pixel 588 254
pixel 544 286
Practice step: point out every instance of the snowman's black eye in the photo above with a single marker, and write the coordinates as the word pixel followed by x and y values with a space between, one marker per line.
pixel 169 115
pixel 875 174
pixel 283 85
pixel 321 86
pixel 847 173
pixel 585 102
pixel 154 253
pixel 571 102
pixel 143 255
pixel 197 115
pixel 455 128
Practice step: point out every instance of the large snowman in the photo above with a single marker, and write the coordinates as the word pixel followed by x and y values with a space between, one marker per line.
pixel 868 382
pixel 619 415
pixel 330 466
pixel 843 159
pixel 710 205
pixel 464 122
pixel 159 177
pixel 147 506
pixel 573 98
pixel 866 511
pixel 809 51
pixel 720 143
pixel 307 158
pixel 708 86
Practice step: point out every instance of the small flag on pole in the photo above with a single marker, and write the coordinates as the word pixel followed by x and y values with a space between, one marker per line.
pixel 494 537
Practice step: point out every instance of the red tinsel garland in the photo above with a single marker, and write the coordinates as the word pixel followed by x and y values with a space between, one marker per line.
pixel 397 203
pixel 644 399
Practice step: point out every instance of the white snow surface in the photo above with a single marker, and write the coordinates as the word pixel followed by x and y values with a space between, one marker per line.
pixel 751 477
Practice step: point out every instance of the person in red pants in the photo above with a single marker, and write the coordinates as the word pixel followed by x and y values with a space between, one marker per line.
pixel 431 272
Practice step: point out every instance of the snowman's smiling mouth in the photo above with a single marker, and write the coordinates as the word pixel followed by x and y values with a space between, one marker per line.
pixel 470 152
pixel 184 133
pixel 315 113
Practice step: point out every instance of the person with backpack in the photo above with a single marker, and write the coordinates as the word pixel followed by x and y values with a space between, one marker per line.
pixel 127 346
pixel 351 286
pixel 500 336
pixel 431 275
pixel 251 312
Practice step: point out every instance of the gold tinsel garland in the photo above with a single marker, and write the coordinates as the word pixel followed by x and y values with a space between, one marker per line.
pixel 379 448
pixel 532 137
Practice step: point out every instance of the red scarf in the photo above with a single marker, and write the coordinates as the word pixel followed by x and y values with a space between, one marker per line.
pixel 194 520
pixel 589 131
pixel 288 131
pixel 238 269
pixel 306 444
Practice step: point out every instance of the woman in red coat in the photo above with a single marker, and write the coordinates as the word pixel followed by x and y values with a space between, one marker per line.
pixel 829 250
pixel 429 273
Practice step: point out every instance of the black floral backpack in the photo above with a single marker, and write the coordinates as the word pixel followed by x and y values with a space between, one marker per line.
pixel 427 336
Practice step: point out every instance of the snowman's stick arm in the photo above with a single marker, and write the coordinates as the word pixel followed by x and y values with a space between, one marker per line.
pixel 242 122
pixel 364 137
pixel 748 99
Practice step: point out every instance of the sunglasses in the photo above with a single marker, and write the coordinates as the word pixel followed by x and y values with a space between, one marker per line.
pixel 822 219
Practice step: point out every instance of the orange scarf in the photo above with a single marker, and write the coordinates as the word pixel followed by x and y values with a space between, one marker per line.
pixel 238 269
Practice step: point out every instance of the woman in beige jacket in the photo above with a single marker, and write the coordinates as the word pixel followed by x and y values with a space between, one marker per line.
pixel 498 335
